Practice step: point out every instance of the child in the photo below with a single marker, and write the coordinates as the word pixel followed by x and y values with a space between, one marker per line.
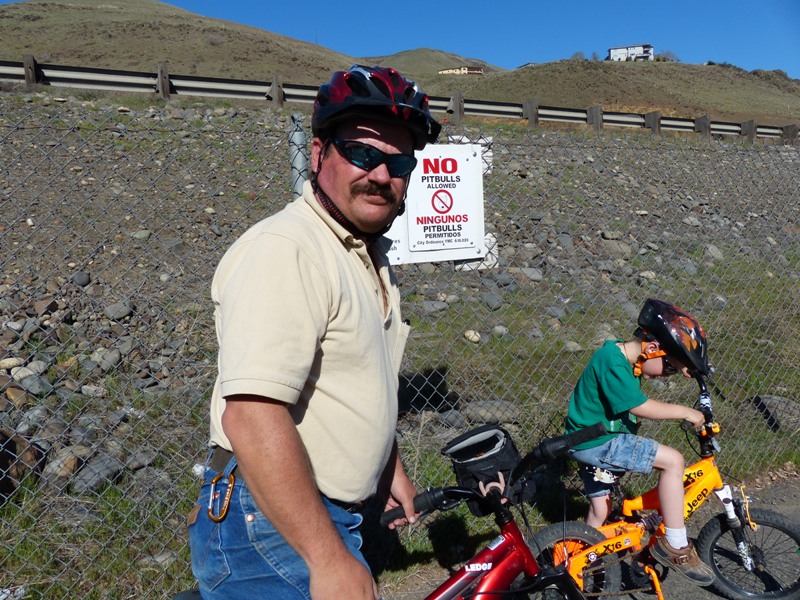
pixel 667 341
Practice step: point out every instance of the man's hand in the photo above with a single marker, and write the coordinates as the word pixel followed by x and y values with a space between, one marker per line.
pixel 402 490
pixel 344 577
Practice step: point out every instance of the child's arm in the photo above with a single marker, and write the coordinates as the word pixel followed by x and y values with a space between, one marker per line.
pixel 664 411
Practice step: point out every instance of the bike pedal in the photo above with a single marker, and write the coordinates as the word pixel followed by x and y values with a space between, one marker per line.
pixel 640 564
pixel 639 576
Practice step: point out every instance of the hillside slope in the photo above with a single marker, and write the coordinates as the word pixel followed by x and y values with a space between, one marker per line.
pixel 722 92
pixel 141 34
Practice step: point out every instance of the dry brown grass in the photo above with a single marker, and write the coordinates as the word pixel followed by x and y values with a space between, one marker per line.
pixel 141 34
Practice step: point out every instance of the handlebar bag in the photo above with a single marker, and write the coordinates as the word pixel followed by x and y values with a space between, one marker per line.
pixel 480 456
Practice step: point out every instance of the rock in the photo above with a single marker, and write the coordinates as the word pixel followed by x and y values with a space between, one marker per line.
pixel 63 464
pixel 33 420
pixel 36 385
pixel 11 362
pixel 490 411
pixel 45 305
pixel 119 310
pixel 18 397
pixel 499 331
pixel 492 301
pixel 81 278
pixel 472 336
pixel 714 252
pixel 434 306
pixel 98 472
pixel 778 412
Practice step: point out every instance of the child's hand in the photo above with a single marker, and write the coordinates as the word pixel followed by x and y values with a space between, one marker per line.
pixel 695 417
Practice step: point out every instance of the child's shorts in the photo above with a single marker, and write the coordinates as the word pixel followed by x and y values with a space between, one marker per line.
pixel 623 453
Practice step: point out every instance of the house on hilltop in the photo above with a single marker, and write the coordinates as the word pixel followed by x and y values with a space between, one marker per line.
pixel 462 71
pixel 637 52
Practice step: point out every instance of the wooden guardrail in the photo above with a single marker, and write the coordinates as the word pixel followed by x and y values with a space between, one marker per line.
pixel 162 83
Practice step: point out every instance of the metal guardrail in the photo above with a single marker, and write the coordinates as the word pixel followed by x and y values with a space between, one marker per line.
pixel 30 72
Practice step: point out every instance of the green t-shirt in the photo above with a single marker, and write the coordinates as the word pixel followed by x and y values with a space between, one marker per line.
pixel 605 392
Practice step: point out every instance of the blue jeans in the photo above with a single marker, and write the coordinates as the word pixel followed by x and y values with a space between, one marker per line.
pixel 244 556
pixel 623 453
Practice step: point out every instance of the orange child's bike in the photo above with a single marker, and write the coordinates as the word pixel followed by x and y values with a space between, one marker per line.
pixel 754 553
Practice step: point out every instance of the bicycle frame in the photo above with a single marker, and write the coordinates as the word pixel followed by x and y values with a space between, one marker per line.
pixel 507 564
pixel 700 480
pixel 495 568
pixel 497 565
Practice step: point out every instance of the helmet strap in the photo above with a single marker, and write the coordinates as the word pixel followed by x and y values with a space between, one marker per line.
pixel 643 357
pixel 333 210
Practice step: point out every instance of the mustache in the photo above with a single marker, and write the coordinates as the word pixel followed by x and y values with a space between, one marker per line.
pixel 374 189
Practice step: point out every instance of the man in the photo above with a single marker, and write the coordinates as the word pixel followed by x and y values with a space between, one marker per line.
pixel 307 312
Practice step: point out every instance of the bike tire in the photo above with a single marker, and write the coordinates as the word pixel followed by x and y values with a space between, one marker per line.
pixel 603 576
pixel 775 547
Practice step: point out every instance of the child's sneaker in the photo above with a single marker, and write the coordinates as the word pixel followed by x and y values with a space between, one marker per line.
pixel 685 561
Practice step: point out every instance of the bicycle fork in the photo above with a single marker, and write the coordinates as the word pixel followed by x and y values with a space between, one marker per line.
pixel 736 523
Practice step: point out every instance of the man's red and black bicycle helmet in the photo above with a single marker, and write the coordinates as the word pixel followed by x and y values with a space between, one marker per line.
pixel 678 333
pixel 377 92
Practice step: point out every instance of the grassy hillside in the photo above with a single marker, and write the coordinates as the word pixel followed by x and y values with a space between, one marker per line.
pixel 722 92
pixel 141 34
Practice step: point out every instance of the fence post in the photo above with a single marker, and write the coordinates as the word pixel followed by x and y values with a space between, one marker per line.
pixel 790 134
pixel 652 121
pixel 530 111
pixel 749 129
pixel 594 116
pixel 30 68
pixel 275 92
pixel 162 83
pixel 702 125
pixel 298 154
pixel 456 108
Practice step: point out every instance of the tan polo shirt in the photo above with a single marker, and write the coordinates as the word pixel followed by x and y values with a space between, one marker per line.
pixel 300 318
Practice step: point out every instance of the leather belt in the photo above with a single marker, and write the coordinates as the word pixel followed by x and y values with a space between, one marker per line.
pixel 220 457
pixel 350 507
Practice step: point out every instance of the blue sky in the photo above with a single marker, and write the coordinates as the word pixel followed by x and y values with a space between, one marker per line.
pixel 751 34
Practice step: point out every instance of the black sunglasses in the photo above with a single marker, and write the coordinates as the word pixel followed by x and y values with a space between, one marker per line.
pixel 669 367
pixel 369 157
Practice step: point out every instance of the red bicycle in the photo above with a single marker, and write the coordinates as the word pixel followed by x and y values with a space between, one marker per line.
pixel 487 462
pixel 506 568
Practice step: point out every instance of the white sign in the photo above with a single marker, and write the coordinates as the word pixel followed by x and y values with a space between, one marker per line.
pixel 444 207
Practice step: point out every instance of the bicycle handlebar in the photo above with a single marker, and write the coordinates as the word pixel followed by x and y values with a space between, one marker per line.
pixel 703 403
pixel 432 498
pixel 545 451
pixel 551 448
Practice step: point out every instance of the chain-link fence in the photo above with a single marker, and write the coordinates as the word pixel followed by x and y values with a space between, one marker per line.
pixel 113 219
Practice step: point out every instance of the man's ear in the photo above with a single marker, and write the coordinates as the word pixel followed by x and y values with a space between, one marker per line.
pixel 317 147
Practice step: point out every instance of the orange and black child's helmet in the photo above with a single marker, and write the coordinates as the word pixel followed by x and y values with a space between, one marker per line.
pixel 677 332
